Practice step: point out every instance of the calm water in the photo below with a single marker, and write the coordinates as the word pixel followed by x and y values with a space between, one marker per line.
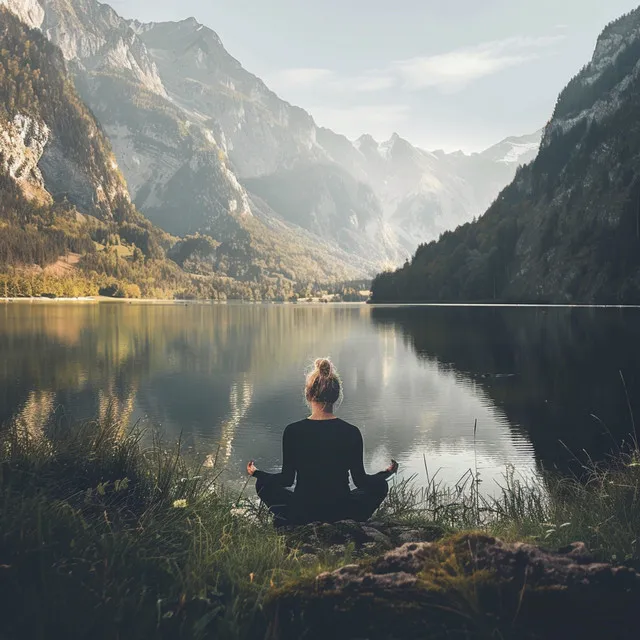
pixel 416 378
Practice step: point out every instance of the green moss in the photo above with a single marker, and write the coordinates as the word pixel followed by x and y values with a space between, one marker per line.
pixel 468 586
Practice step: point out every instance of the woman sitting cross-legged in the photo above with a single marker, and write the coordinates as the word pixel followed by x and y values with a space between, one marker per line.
pixel 318 453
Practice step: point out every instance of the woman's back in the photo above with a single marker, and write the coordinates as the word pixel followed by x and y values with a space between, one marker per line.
pixel 322 454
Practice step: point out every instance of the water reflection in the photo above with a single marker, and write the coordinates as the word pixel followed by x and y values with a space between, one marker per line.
pixel 556 373
pixel 228 378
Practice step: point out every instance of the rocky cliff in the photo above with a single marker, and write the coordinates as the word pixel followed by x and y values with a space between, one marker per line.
pixel 567 228
pixel 48 138
pixel 23 140
pixel 29 11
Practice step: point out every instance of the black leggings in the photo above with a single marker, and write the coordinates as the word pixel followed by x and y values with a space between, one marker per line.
pixel 359 505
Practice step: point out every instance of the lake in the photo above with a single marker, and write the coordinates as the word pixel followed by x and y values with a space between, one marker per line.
pixel 539 382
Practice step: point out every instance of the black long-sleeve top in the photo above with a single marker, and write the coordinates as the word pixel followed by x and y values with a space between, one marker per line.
pixel 318 455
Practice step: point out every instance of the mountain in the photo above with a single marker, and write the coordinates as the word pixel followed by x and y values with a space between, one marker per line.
pixel 567 229
pixel 514 150
pixel 271 145
pixel 175 161
pixel 205 146
pixel 423 193
pixel 67 224
pixel 61 192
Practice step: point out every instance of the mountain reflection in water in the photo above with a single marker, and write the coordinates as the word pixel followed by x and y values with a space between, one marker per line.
pixel 228 378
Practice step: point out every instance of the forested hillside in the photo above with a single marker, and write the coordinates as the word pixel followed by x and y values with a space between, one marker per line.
pixel 54 164
pixel 568 228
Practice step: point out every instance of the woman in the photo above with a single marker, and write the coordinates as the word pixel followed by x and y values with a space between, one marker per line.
pixel 318 453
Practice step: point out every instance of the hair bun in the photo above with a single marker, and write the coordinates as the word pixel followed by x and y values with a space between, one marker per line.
pixel 324 366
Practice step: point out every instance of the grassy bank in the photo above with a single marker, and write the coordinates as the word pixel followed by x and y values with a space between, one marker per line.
pixel 600 507
pixel 107 539
pixel 103 537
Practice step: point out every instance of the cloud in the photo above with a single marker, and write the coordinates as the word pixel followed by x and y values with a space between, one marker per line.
pixel 448 72
pixel 456 69
pixel 339 97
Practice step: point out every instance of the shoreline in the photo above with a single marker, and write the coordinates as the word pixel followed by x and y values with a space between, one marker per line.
pixel 93 299
pixel 315 302
pixel 539 305
pixel 106 299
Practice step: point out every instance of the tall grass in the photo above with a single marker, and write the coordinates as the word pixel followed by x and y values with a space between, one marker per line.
pixel 101 537
pixel 600 507
pixel 104 537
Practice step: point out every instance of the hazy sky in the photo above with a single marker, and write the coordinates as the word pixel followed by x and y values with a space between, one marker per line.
pixel 442 73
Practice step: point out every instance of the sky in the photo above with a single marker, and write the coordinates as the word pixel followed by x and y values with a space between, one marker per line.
pixel 444 74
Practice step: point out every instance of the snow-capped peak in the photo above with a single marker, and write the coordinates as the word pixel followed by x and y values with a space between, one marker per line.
pixel 515 150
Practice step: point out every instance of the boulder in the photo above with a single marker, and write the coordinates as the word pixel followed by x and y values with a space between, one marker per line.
pixel 467 586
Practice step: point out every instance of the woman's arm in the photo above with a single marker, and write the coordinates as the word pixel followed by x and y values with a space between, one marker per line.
pixel 288 474
pixel 359 475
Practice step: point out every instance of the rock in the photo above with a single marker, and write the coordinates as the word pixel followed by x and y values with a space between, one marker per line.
pixel 369 537
pixel 370 548
pixel 403 535
pixel 341 532
pixel 378 537
pixel 467 586
pixel 308 559
pixel 410 536
pixel 29 11
pixel 323 534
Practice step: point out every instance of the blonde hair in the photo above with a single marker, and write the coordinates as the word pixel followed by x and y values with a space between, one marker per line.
pixel 323 383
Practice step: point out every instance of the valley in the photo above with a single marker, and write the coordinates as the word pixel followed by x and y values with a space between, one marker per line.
pixel 207 150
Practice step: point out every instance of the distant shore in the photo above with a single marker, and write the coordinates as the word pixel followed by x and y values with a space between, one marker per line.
pixel 315 301
pixel 102 299
pixel 89 299
pixel 566 305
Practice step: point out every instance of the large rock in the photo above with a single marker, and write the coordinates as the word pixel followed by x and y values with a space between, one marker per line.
pixel 469 586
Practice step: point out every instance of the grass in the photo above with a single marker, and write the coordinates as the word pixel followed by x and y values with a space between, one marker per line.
pixel 600 507
pixel 104 537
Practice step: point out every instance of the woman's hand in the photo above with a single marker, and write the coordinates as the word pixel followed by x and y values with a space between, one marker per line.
pixel 392 468
pixel 251 468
